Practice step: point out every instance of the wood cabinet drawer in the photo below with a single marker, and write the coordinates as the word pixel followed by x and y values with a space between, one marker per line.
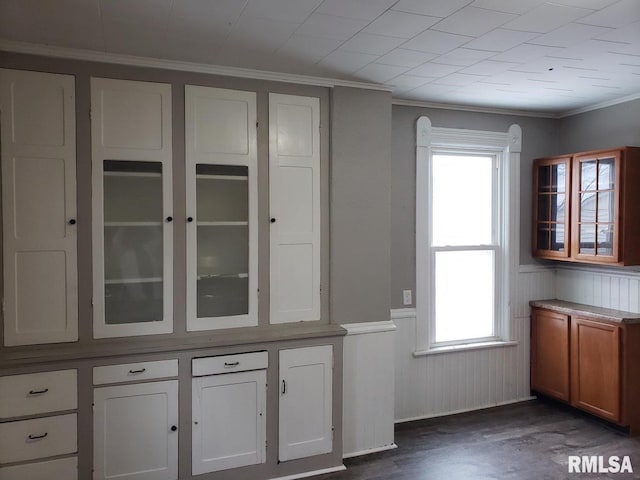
pixel 229 363
pixel 38 438
pixel 133 372
pixel 38 393
pixel 60 469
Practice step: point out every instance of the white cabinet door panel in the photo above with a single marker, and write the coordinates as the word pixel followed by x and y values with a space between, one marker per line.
pixel 133 435
pixel 294 193
pixel 229 421
pixel 305 421
pixel 60 469
pixel 38 202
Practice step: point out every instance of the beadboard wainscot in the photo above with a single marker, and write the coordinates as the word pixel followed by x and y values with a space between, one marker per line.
pixel 434 385
pixel 368 388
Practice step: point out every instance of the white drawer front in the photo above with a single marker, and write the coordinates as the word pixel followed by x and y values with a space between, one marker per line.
pixel 132 372
pixel 38 393
pixel 61 469
pixel 38 438
pixel 229 363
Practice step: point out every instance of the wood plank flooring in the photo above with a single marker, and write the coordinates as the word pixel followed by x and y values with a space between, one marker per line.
pixel 525 441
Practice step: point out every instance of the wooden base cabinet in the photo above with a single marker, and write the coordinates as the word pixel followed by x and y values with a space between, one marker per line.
pixel 588 360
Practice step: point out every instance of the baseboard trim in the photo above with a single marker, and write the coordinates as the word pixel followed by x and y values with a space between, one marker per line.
pixel 464 410
pixel 370 450
pixel 322 471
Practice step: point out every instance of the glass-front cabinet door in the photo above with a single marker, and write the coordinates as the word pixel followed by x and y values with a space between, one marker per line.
pixel 551 207
pixel 221 185
pixel 595 197
pixel 132 208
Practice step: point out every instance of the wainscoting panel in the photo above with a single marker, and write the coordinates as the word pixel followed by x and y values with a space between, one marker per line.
pixel 619 290
pixel 368 388
pixel 445 383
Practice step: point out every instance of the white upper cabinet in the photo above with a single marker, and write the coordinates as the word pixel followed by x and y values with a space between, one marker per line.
pixel 222 206
pixel 294 195
pixel 132 208
pixel 38 207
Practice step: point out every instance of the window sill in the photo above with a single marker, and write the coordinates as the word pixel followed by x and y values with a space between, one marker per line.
pixel 464 348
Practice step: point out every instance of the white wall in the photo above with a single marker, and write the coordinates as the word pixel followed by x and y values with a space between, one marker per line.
pixel 445 383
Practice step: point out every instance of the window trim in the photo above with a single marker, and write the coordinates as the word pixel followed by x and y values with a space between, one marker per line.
pixel 507 147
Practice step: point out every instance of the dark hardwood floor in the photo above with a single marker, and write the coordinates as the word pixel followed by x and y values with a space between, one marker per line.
pixel 525 441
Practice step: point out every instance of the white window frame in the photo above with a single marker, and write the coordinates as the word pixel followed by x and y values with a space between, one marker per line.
pixel 506 148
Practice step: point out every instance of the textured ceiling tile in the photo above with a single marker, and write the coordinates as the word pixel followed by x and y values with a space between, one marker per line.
pixel 546 17
pixel 436 42
pixel 508 6
pixel 433 70
pixel 473 21
pixel 373 44
pixel 616 15
pixel 347 62
pixel 463 57
pixel 569 35
pixel 287 10
pixel 406 58
pixel 375 72
pixel 362 9
pixel 311 46
pixel 400 24
pixel 500 40
pixel 434 8
pixel 321 25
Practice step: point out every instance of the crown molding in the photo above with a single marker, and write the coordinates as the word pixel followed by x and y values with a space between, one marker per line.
pixel 138 61
pixel 598 106
pixel 471 108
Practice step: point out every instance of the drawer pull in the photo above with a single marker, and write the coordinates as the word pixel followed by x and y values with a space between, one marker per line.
pixel 38 392
pixel 135 372
pixel 231 364
pixel 38 437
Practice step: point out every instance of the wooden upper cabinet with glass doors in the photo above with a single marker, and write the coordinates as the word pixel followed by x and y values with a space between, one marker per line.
pixel 602 222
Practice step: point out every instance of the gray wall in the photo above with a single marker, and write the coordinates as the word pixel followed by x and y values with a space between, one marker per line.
pixel 360 205
pixel 609 127
pixel 539 139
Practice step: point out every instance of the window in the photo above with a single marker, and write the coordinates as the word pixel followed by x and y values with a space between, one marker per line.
pixel 465 243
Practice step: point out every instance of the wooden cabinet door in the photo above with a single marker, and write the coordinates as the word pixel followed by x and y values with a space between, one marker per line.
pixel 39 247
pixel 551 199
pixel 595 368
pixel 305 410
pixel 550 353
pixel 229 421
pixel 135 431
pixel 294 202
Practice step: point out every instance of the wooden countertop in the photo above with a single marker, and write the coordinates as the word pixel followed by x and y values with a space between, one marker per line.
pixel 596 313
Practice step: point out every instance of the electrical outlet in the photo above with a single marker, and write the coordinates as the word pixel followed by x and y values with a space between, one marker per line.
pixel 406 297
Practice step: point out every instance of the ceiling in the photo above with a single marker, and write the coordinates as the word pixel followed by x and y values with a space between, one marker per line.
pixel 533 55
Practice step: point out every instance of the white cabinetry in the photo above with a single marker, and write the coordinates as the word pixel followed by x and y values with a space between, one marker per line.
pixel 222 206
pixel 38 207
pixel 135 431
pixel 305 410
pixel 132 204
pixel 294 196
pixel 229 414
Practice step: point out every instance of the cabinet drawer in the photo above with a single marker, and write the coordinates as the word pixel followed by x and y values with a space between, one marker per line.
pixel 38 438
pixel 132 372
pixel 38 393
pixel 229 363
pixel 61 469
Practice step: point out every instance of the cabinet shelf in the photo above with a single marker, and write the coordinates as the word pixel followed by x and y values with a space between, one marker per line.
pixel 223 275
pixel 132 174
pixel 126 281
pixel 132 224
pixel 222 177
pixel 223 224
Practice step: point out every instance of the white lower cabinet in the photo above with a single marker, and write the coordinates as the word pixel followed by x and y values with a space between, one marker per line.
pixel 229 421
pixel 60 469
pixel 135 431
pixel 305 409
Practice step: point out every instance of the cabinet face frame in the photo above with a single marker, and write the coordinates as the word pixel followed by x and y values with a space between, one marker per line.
pixel 196 126
pixel 39 232
pixel 616 256
pixel 597 382
pixel 541 252
pixel 111 142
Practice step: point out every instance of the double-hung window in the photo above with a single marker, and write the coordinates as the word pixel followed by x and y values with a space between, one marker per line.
pixel 465 205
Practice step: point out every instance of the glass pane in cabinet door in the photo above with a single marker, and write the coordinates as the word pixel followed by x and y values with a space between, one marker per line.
pixel 559 208
pixel 588 175
pixel 605 240
pixel 606 174
pixel 557 237
pixel 558 174
pixel 133 244
pixel 605 207
pixel 588 207
pixel 544 178
pixel 543 208
pixel 542 236
pixel 222 199
pixel 587 238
